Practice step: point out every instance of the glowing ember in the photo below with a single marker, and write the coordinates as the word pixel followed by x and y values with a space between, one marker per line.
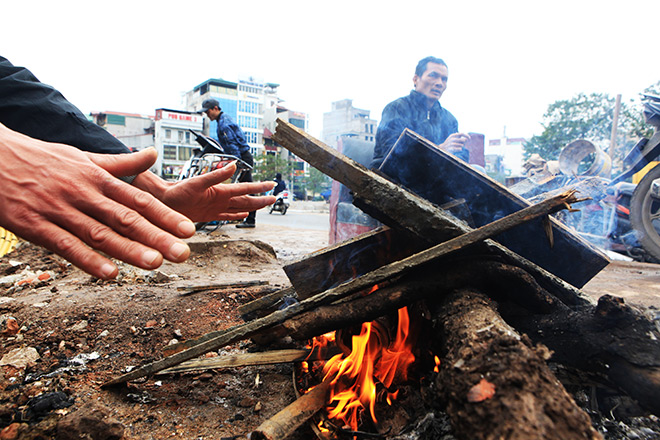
pixel 372 360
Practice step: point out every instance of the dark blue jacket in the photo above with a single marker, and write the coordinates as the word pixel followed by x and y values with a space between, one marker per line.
pixel 231 137
pixel 41 112
pixel 412 112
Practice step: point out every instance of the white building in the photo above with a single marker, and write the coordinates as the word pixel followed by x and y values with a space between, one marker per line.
pixel 173 140
pixel 505 156
pixel 348 121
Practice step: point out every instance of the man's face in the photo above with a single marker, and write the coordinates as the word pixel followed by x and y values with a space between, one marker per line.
pixel 433 81
pixel 213 113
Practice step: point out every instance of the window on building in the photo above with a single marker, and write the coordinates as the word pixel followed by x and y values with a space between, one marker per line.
pixel 180 135
pixel 187 137
pixel 169 152
pixel 185 152
pixel 168 134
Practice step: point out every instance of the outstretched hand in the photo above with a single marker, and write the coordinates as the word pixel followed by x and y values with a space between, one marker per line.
pixel 70 202
pixel 206 198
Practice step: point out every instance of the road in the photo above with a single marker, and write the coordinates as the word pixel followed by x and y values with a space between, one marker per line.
pixel 295 218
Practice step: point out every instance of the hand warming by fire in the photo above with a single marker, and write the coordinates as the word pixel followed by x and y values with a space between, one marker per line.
pixel 370 373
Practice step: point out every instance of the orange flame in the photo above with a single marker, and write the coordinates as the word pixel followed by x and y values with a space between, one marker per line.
pixel 353 378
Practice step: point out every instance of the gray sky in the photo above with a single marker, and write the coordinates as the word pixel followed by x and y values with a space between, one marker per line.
pixel 508 60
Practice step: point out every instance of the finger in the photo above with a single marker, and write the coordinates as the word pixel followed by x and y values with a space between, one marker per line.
pixel 231 217
pixel 69 247
pixel 245 188
pixel 151 210
pixel 138 217
pixel 248 203
pixel 129 164
pixel 213 178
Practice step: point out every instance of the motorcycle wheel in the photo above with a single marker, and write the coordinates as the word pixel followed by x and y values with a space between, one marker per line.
pixel 272 208
pixel 284 208
pixel 645 214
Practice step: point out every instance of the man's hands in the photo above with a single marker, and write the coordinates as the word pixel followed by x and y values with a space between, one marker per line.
pixel 69 201
pixel 206 198
pixel 455 142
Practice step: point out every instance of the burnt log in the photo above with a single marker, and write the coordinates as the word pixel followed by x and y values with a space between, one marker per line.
pixel 285 422
pixel 619 343
pixel 494 383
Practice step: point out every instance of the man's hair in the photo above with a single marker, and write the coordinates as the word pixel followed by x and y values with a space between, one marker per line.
pixel 421 66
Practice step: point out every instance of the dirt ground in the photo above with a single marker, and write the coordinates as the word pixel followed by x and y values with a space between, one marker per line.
pixel 65 333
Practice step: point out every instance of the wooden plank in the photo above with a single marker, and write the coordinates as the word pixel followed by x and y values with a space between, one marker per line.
pixel 420 166
pixel 336 264
pixel 241 360
pixel 397 207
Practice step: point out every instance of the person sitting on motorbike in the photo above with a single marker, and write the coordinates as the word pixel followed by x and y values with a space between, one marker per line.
pixel 281 185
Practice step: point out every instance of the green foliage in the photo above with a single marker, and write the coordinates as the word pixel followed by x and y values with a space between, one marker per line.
pixel 590 117
pixel 315 182
pixel 268 165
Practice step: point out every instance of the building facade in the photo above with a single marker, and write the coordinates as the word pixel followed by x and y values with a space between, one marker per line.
pixel 173 140
pixel 247 102
pixel 504 157
pixel 348 121
pixel 133 130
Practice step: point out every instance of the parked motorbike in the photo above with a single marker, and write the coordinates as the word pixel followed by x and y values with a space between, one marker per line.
pixel 281 203
pixel 211 156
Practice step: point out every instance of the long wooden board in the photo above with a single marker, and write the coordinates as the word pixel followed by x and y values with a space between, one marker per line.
pixel 420 166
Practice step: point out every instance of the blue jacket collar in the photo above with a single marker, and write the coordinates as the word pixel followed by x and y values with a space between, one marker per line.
pixel 420 100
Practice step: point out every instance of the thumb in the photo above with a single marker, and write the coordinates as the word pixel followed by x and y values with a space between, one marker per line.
pixel 129 164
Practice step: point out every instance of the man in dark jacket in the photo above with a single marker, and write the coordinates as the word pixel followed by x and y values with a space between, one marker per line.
pixel 232 139
pixel 60 193
pixel 422 113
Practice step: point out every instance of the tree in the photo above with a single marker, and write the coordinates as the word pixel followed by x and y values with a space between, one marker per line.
pixel 590 117
pixel 582 117
pixel 316 181
pixel 267 165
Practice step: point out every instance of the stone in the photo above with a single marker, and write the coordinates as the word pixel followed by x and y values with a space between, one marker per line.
pixel 20 357
pixel 91 421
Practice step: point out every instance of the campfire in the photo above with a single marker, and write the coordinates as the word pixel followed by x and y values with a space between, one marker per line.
pixel 434 305
pixel 369 373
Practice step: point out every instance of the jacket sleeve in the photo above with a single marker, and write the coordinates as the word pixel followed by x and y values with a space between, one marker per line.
pixel 392 124
pixel 38 110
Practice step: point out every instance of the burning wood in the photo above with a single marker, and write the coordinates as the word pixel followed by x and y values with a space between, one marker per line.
pixel 364 282
pixel 285 422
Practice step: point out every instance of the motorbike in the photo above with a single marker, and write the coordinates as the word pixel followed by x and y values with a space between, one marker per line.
pixel 281 203
pixel 208 157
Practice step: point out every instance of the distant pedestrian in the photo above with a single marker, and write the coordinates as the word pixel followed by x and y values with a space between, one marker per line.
pixel 280 184
pixel 232 139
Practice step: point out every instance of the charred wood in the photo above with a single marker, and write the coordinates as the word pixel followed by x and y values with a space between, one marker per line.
pixel 509 283
pixel 494 383
pixel 618 342
pixel 285 422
